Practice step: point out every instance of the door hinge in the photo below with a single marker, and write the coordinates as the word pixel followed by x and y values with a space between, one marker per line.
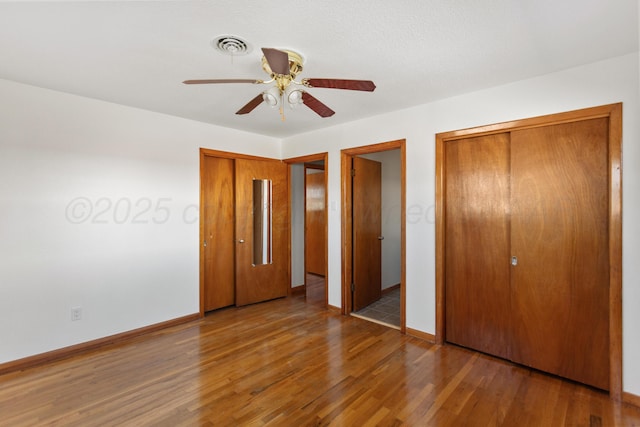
pixel 353 172
pixel 353 287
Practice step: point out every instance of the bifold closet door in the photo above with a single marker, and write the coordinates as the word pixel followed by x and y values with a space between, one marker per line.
pixel 477 243
pixel 218 230
pixel 262 230
pixel 559 234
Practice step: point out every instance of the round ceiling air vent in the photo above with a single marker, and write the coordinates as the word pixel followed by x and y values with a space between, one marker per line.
pixel 231 45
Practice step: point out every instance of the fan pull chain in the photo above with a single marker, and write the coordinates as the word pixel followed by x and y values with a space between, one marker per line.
pixel 282 117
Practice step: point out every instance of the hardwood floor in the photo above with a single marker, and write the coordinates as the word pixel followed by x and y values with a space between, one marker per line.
pixel 289 363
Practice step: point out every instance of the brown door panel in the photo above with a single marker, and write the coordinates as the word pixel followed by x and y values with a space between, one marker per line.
pixel 269 279
pixel 477 249
pixel 315 222
pixel 559 232
pixel 218 229
pixel 367 228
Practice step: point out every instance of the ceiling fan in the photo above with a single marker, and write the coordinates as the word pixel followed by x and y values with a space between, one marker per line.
pixel 283 66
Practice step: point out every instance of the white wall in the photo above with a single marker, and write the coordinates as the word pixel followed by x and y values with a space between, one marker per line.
pixel 391 215
pixel 614 80
pixel 74 172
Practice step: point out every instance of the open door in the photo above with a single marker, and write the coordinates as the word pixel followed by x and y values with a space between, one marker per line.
pixel 315 221
pixel 262 230
pixel 367 228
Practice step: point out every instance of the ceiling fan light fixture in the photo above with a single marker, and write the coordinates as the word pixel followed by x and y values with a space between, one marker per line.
pixel 294 96
pixel 272 96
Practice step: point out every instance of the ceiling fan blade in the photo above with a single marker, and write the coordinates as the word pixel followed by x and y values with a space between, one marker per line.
pixel 251 105
pixel 200 82
pixel 317 106
pixel 277 59
pixel 366 85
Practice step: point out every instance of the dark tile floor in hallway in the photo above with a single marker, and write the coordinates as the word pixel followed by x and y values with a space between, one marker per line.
pixel 385 311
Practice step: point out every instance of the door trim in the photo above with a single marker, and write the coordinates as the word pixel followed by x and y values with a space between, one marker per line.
pixel 225 155
pixel 614 113
pixel 346 157
pixel 306 159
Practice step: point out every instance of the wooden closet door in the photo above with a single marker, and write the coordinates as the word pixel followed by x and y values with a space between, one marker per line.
pixel 269 278
pixel 477 243
pixel 218 229
pixel 559 233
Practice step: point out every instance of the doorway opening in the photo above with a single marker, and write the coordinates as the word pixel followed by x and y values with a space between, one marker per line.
pixel 308 201
pixel 373 233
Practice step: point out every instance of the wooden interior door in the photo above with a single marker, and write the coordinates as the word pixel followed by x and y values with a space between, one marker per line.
pixel 314 221
pixel 367 229
pixel 477 252
pixel 218 200
pixel 559 234
pixel 269 278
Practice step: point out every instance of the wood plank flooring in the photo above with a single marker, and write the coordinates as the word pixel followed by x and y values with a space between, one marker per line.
pixel 289 363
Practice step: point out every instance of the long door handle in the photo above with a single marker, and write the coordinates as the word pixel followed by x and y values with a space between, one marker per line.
pixel 380 237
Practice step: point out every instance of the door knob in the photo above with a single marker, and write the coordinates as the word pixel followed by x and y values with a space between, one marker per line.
pixel 241 241
pixel 380 237
pixel 514 260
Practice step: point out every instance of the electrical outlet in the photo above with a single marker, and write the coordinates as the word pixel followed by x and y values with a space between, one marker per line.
pixel 76 313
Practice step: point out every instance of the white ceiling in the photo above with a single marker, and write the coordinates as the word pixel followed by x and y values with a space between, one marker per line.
pixel 137 53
